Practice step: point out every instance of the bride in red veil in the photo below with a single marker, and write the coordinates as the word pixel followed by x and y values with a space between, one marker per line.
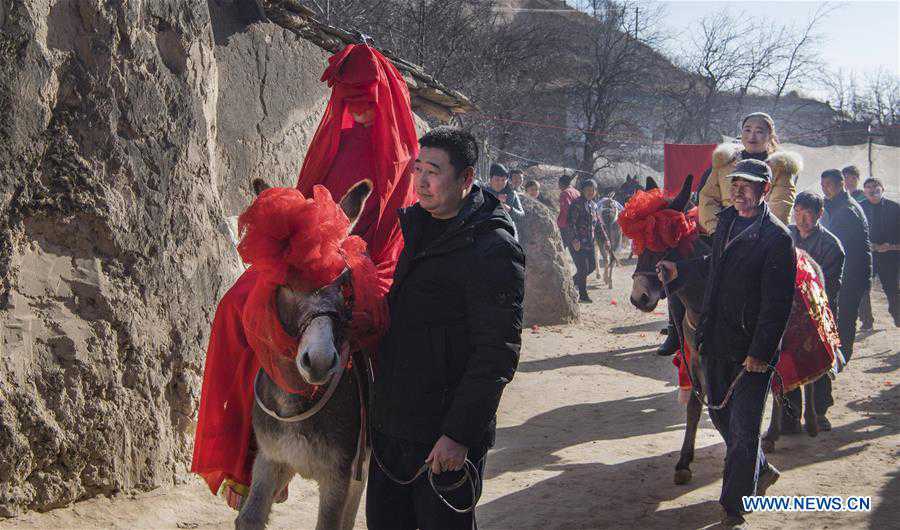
pixel 366 134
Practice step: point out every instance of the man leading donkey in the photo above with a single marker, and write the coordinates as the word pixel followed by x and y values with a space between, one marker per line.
pixel 749 292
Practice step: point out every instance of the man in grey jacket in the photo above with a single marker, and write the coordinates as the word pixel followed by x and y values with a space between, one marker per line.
pixel 825 248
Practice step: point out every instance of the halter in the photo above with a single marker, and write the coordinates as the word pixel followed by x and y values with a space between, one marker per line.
pixel 338 318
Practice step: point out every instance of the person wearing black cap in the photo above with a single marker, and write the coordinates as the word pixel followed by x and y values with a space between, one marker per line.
pixel 582 220
pixel 499 187
pixel 749 279
pixel 846 220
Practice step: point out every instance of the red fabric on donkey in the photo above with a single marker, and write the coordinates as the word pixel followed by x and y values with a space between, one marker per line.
pixel 367 134
pixel 810 344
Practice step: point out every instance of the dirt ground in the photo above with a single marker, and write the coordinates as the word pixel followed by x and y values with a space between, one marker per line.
pixel 589 435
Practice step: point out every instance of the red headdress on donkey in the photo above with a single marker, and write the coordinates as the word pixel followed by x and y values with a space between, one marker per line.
pixel 653 222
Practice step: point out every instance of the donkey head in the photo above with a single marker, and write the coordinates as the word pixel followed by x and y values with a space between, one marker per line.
pixel 319 319
pixel 646 289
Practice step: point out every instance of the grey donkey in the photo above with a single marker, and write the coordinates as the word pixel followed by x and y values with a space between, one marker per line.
pixel 322 447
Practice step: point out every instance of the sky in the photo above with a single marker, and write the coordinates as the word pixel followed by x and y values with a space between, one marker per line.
pixel 860 36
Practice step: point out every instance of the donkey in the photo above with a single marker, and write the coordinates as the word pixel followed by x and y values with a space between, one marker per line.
pixel 609 237
pixel 324 446
pixel 646 292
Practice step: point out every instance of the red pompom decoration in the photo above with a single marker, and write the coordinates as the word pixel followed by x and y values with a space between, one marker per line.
pixel 304 244
pixel 650 224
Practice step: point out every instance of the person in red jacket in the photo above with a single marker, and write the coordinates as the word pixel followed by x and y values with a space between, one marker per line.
pixel 366 135
pixel 567 195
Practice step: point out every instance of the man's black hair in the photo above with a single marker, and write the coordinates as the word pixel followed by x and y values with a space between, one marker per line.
pixel 809 200
pixel 873 180
pixel 586 183
pixel 851 170
pixel 460 145
pixel 565 180
pixel 517 170
pixel 833 174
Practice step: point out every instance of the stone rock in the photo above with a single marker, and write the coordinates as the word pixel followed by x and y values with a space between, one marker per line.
pixel 550 296
pixel 128 134
pixel 269 103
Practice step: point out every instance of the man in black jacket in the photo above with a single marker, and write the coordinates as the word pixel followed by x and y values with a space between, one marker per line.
pixel 749 292
pixel 883 216
pixel 453 343
pixel 825 248
pixel 846 220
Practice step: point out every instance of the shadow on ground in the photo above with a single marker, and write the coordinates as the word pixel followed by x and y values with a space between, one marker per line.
pixel 599 495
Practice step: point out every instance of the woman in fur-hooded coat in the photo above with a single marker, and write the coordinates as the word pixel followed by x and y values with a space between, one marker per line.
pixel 760 141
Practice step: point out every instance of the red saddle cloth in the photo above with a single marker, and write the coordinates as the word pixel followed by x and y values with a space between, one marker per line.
pixel 810 344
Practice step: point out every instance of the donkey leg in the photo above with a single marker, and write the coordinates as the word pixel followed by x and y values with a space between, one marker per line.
pixel 683 473
pixel 354 494
pixel 774 432
pixel 268 478
pixel 810 419
pixel 334 491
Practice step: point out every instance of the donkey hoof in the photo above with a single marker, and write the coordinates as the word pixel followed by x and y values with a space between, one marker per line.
pixel 249 523
pixel 768 446
pixel 812 429
pixel 682 476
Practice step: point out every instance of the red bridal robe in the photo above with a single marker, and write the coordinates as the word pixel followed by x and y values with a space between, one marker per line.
pixel 342 153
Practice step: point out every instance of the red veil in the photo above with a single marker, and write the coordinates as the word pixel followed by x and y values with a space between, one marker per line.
pixel 342 153
pixel 362 79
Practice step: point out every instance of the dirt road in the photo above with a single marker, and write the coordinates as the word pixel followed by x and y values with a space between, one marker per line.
pixel 589 435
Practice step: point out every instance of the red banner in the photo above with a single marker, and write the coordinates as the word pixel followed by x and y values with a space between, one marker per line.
pixel 681 160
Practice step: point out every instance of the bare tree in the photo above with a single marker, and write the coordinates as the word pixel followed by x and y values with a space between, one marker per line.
pixel 732 57
pixel 612 44
pixel 799 58
pixel 881 98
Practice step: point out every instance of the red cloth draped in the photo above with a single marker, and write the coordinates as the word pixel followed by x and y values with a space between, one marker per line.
pixel 340 155
pixel 362 79
pixel 681 160
pixel 650 224
pixel 810 344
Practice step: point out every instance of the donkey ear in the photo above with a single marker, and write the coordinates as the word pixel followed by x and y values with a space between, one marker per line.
pixel 651 184
pixel 353 201
pixel 679 202
pixel 259 185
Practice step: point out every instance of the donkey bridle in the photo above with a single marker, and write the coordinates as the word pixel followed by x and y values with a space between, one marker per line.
pixel 337 318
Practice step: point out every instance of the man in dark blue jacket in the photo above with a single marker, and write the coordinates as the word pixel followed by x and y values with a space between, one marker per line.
pixel 846 220
pixel 883 216
pixel 453 343
pixel 749 280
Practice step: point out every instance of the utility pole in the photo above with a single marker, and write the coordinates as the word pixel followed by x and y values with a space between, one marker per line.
pixel 636 12
pixel 869 141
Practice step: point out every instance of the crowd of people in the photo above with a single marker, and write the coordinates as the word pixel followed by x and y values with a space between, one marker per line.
pixel 852 233
pixel 746 202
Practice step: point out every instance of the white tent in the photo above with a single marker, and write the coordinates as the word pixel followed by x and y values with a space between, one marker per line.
pixel 885 164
